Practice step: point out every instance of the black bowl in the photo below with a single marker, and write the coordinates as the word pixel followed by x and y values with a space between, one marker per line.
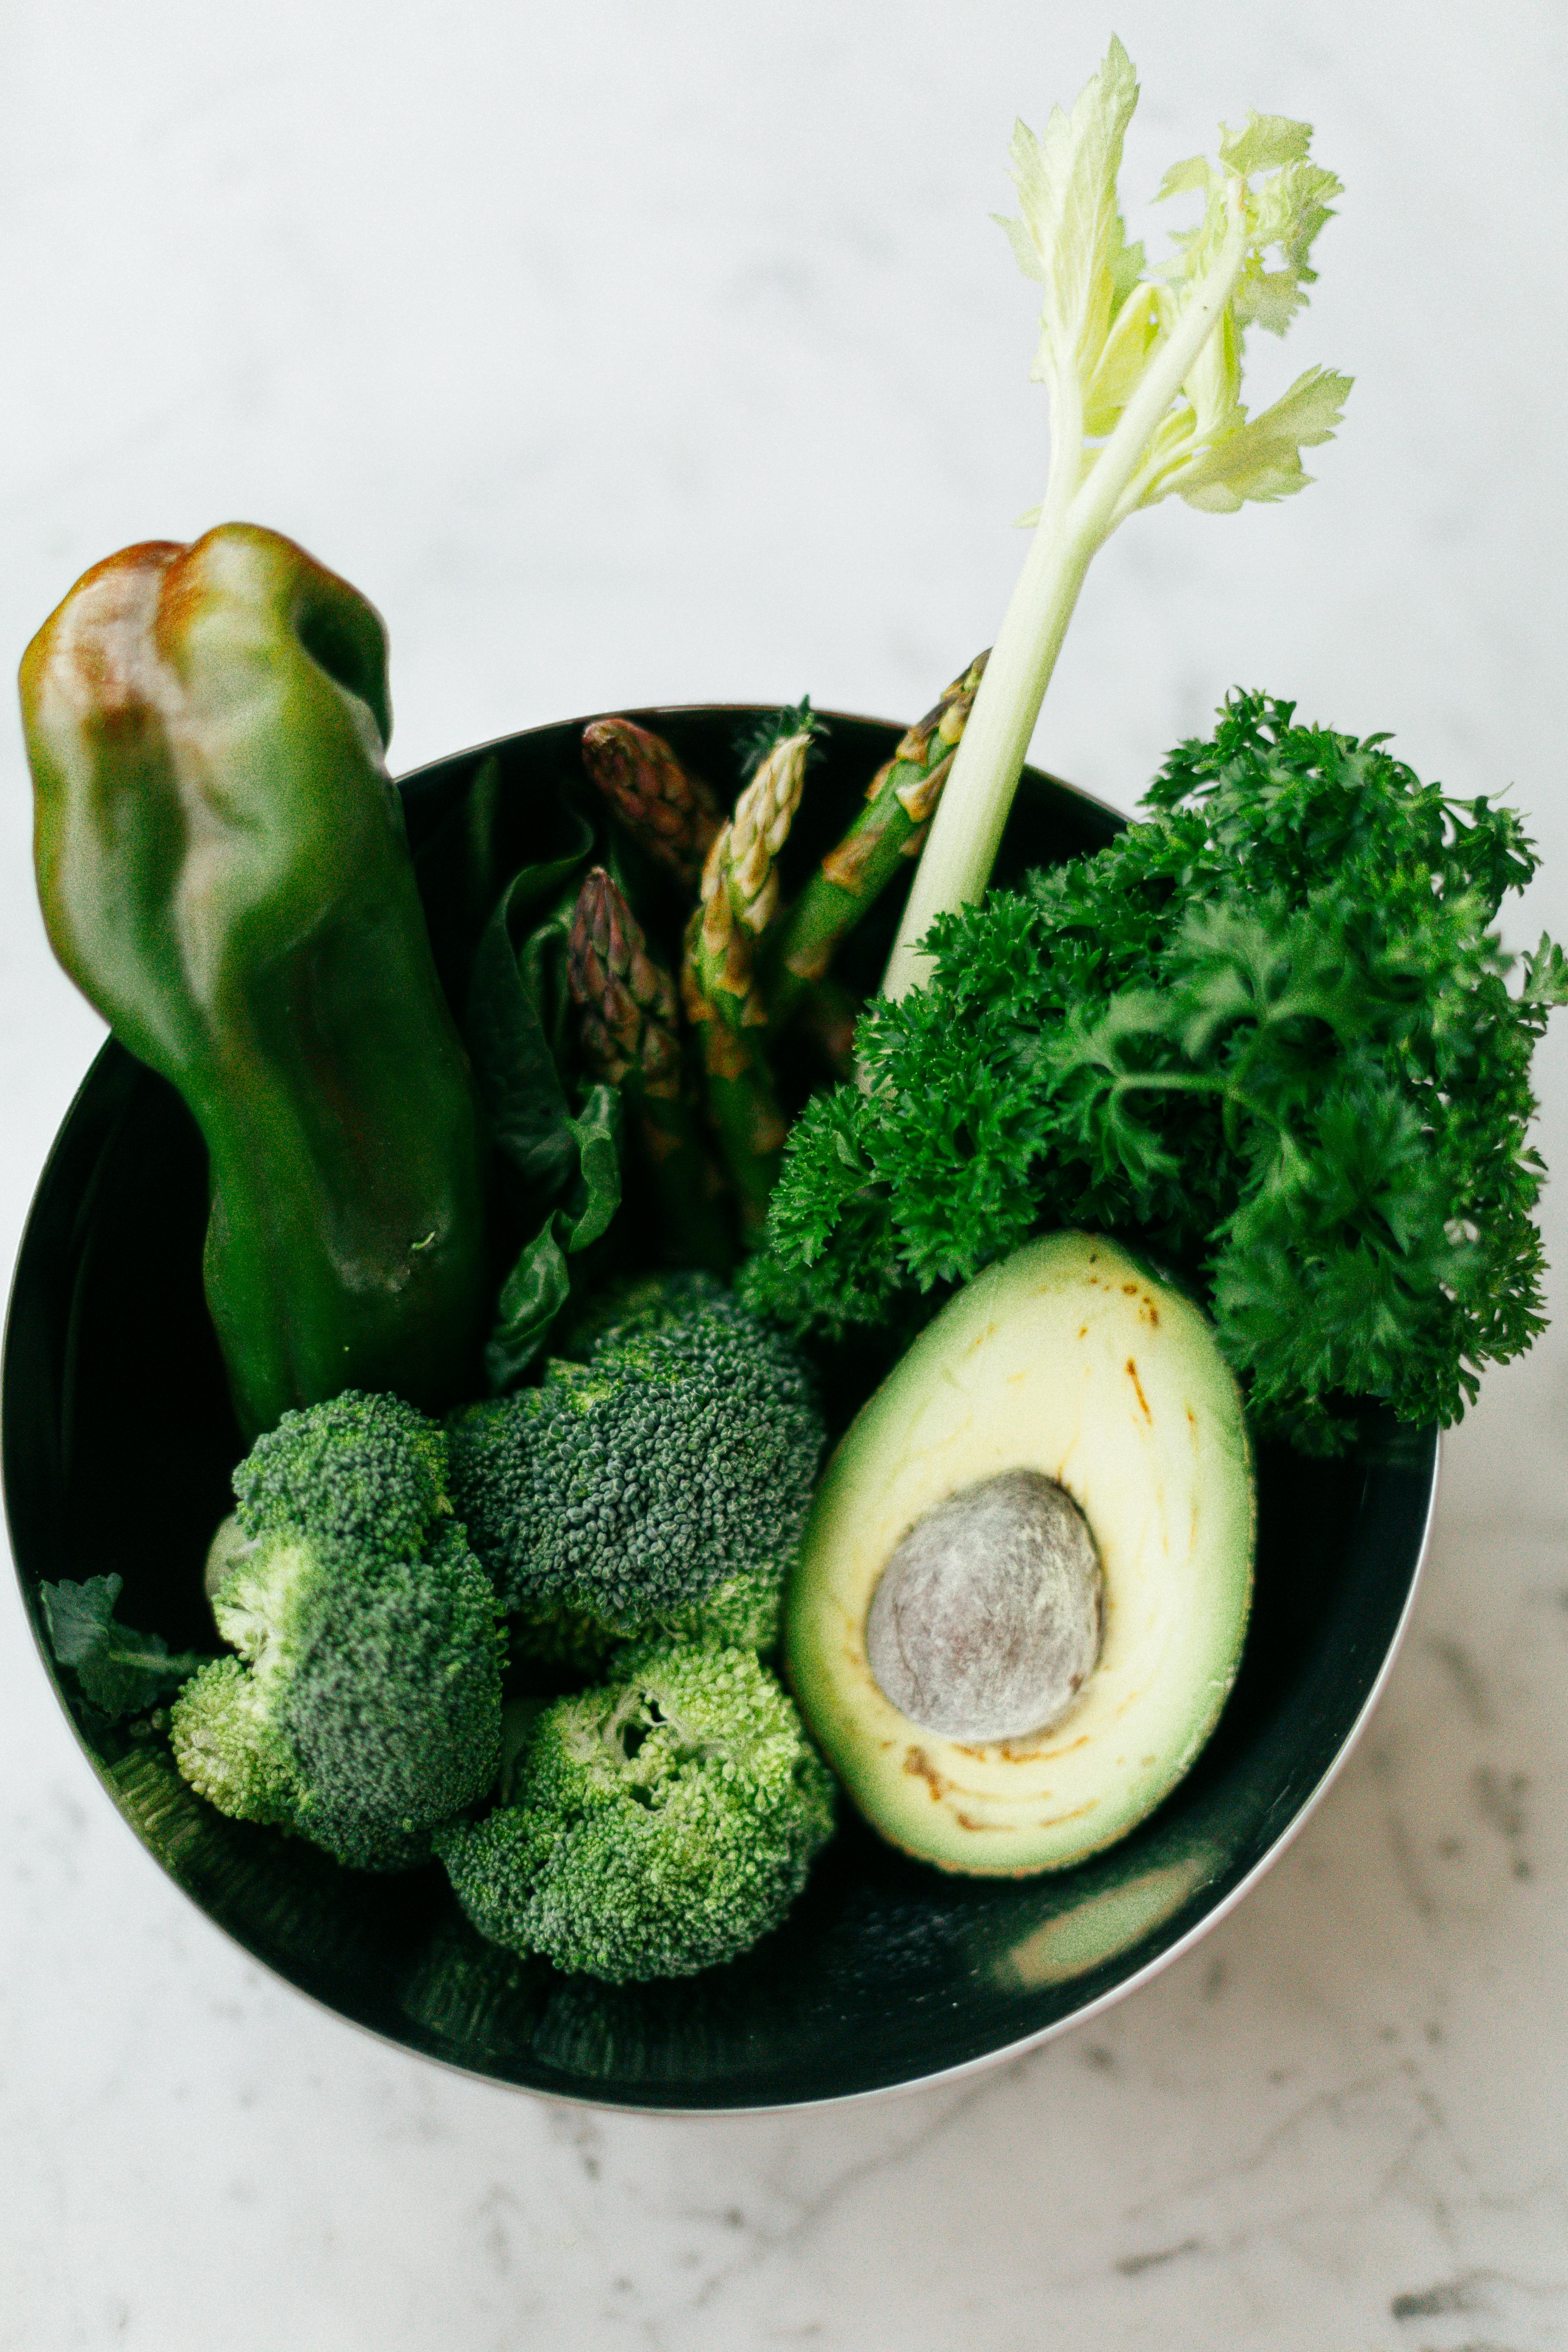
pixel 118 1445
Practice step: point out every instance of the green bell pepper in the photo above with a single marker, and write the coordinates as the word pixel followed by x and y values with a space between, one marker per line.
pixel 224 873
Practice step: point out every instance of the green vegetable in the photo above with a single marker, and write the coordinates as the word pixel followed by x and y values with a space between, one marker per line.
pixel 117 1671
pixel 1270 1030
pixel 678 1458
pixel 671 814
pixel 555 1642
pixel 744 1108
pixel 629 1031
pixel 560 1143
pixel 1025 1585
pixel 651 1827
pixel 539 1284
pixel 363 1709
pixel 741 884
pixel 1143 375
pixel 900 803
pixel 223 872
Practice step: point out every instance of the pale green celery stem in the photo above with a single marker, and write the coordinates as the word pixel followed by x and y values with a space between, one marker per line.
pixel 966 832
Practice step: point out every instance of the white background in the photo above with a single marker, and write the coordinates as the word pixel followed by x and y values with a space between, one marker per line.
pixel 642 352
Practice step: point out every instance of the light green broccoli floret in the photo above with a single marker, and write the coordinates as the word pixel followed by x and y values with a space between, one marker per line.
pixel 363 1707
pixel 230 1750
pixel 678 1458
pixel 651 1827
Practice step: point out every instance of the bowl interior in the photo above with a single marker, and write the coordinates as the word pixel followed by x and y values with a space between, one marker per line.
pixel 118 1445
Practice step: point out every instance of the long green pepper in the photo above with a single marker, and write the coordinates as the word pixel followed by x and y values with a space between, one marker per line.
pixel 224 873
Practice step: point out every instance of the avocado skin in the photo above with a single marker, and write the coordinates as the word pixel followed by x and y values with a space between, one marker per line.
pixel 1073 1358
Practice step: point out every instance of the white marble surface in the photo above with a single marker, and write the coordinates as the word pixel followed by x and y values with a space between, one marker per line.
pixel 657 352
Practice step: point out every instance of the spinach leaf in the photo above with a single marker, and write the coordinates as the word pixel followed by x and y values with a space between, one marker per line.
pixel 540 1282
pixel 518 1016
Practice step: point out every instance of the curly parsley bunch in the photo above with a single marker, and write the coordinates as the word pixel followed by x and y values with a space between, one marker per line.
pixel 1269 1032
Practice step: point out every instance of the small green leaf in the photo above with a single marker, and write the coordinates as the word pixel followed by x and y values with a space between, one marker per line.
pixel 118 1671
pixel 1264 143
pixel 1260 458
pixel 1070 237
pixel 757 738
pixel 597 1196
pixel 1545 975
pixel 531 1297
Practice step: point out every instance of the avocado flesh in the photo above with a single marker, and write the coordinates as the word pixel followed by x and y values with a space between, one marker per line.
pixel 1068 1359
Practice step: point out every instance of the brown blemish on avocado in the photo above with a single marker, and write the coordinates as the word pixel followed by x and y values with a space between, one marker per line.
pixel 1027 1750
pixel 1050 1821
pixel 1142 1399
pixel 917 1761
pixel 968 1822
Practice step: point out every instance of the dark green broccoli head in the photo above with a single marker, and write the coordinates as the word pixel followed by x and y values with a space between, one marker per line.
pixel 652 1827
pixel 681 1456
pixel 363 1709
pixel 365 1475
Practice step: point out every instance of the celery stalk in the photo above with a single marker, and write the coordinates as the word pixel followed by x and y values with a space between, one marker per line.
pixel 1143 377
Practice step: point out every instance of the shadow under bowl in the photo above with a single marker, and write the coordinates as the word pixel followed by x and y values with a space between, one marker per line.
pixel 118 1445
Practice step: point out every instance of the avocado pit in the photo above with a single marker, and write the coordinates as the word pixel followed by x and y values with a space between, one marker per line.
pixel 986 1623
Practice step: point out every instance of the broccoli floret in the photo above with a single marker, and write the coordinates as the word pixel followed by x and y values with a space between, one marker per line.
pixel 651 1827
pixel 678 1458
pixel 745 1612
pixel 363 1709
pixel 635 1303
pixel 229 1748
pixel 365 1475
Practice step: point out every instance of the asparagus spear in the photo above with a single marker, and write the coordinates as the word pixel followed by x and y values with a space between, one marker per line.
pixel 672 815
pixel 741 886
pixel 744 1109
pixel 892 827
pixel 629 1029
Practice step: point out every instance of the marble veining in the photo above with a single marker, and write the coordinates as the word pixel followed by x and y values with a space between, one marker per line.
pixel 627 355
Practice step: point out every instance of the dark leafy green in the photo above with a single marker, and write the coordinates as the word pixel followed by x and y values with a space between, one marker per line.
pixel 518 1014
pixel 1267 1032
pixel 118 1672
pixel 540 1282
pixel 561 1139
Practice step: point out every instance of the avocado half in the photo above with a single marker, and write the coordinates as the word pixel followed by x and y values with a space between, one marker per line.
pixel 1071 1361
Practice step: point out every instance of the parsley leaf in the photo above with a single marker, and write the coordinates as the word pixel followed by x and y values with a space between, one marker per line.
pixel 1268 1034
